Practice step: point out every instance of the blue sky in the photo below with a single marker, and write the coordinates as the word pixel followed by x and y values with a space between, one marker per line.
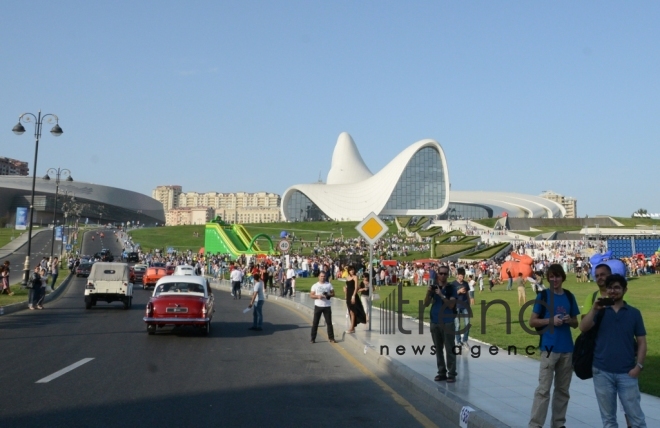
pixel 252 95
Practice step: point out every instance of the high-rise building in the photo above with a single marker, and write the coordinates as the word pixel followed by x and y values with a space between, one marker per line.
pixel 10 166
pixel 569 203
pixel 168 196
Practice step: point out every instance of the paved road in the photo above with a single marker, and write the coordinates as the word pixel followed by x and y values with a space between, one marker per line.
pixel 235 377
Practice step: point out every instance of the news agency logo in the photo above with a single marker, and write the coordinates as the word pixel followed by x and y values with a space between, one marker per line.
pixel 391 314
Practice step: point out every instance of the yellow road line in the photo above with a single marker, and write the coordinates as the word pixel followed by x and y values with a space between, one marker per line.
pixel 419 416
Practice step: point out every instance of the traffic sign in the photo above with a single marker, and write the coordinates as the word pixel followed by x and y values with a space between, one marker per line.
pixel 372 228
pixel 284 246
pixel 68 247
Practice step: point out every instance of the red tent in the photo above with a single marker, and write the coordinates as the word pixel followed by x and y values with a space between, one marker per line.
pixel 389 262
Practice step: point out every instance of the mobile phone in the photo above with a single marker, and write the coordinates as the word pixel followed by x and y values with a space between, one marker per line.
pixel 606 301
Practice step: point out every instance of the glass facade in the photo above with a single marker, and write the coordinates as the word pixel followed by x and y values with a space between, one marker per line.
pixel 300 208
pixel 466 211
pixel 422 184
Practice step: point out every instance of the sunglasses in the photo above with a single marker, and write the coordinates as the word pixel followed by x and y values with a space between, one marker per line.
pixel 443 273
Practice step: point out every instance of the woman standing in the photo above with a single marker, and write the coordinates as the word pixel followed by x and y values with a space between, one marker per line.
pixel 35 289
pixel 4 277
pixel 353 302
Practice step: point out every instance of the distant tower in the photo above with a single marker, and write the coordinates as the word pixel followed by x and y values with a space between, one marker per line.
pixel 320 178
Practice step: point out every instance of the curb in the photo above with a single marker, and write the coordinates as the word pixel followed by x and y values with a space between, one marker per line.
pixel 449 404
pixel 20 306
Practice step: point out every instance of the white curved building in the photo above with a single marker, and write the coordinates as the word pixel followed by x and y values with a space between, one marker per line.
pixel 415 182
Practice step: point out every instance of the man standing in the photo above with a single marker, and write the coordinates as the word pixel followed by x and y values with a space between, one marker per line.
pixel 236 277
pixel 509 285
pixel 258 299
pixel 555 311
pixel 322 292
pixel 290 277
pixel 461 292
pixel 616 368
pixel 442 324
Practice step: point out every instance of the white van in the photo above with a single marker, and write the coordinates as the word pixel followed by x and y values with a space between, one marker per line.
pixel 109 282
pixel 184 270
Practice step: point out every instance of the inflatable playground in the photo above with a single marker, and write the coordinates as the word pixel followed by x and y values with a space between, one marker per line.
pixel 224 238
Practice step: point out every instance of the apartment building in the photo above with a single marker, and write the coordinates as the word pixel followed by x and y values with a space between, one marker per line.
pixel 569 203
pixel 9 166
pixel 168 196
pixel 188 215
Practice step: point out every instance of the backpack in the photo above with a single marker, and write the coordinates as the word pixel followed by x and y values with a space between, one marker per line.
pixel 583 351
pixel 544 298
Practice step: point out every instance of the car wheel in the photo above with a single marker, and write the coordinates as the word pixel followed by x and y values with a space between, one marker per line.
pixel 206 330
pixel 88 305
pixel 151 329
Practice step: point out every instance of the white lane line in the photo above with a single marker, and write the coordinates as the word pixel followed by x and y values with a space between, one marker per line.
pixel 64 370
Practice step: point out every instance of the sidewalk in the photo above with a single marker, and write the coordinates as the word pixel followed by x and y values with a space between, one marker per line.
pixel 501 386
pixel 17 243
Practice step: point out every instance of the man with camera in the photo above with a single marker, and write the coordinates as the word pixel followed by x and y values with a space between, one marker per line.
pixel 322 292
pixel 442 324
pixel 617 364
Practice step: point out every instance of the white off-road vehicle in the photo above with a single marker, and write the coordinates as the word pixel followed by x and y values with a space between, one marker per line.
pixel 109 282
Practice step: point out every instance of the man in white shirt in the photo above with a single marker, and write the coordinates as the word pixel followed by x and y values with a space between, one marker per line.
pixel 290 277
pixel 236 276
pixel 321 292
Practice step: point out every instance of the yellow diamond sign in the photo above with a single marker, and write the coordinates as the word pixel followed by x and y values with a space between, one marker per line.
pixel 372 228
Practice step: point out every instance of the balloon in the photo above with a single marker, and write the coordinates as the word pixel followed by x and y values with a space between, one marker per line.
pixel 519 263
pixel 616 265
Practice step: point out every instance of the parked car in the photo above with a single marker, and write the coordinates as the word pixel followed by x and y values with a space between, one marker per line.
pixel 83 269
pixel 109 282
pixel 180 300
pixel 152 275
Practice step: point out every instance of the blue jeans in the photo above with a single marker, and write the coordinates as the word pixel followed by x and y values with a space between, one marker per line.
pixel 257 314
pixel 54 276
pixel 607 386
pixel 465 321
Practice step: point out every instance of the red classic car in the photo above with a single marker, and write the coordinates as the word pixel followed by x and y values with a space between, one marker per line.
pixel 152 275
pixel 180 301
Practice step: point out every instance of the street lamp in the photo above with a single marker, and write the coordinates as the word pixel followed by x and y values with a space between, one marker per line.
pixel 19 130
pixel 58 173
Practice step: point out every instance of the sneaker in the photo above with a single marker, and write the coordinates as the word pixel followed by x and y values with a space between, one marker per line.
pixel 466 346
pixel 440 378
pixel 30 307
pixel 451 379
pixel 40 307
pixel 332 341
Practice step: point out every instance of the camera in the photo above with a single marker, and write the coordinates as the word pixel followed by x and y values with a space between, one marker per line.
pixel 327 295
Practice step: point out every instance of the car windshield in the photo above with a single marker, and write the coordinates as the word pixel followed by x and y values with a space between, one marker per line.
pixel 179 287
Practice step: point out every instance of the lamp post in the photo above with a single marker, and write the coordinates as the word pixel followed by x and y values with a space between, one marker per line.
pixel 19 130
pixel 58 173
pixel 70 207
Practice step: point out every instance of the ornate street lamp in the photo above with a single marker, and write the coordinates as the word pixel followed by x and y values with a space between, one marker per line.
pixel 58 173
pixel 19 130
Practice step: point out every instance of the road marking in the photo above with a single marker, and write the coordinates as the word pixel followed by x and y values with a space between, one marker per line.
pixel 419 416
pixel 64 370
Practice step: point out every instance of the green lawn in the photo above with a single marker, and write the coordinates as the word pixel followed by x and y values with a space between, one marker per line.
pixel 634 221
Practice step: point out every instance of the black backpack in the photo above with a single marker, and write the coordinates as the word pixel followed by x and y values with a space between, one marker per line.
pixel 544 298
pixel 583 351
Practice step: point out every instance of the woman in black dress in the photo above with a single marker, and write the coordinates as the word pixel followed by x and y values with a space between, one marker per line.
pixel 353 302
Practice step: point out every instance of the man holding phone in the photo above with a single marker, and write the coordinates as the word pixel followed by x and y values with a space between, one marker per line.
pixel 617 364
pixel 442 324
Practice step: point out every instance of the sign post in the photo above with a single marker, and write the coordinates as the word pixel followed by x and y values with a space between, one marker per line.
pixel 372 228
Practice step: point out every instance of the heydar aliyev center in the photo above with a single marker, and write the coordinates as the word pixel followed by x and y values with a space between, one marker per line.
pixel 414 183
